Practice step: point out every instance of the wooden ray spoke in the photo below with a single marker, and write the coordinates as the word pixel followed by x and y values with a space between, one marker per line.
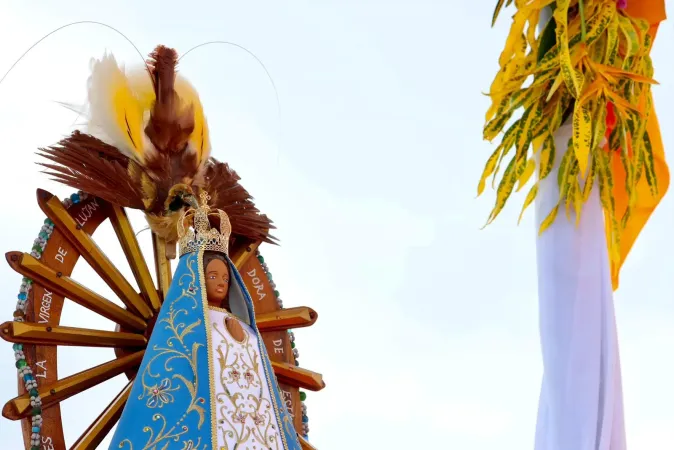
pixel 305 444
pixel 100 428
pixel 127 238
pixel 242 252
pixel 295 376
pixel 88 249
pixel 285 319
pixel 54 393
pixel 43 334
pixel 30 267
pixel 162 265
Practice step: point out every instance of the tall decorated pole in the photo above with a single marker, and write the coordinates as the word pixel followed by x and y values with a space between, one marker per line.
pixel 574 103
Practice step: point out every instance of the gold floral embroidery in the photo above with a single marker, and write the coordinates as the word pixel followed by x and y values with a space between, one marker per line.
pixel 287 423
pixel 245 415
pixel 174 348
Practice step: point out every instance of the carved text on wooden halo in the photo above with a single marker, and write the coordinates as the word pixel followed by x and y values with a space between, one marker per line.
pixel 45 307
pixel 277 342
pixel 258 291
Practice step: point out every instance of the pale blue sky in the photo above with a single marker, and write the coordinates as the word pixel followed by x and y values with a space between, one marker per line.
pixel 427 333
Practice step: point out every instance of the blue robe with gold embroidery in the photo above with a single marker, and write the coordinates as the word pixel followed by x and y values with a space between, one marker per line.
pixel 172 402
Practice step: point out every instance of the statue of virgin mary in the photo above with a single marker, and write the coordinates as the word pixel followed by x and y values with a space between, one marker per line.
pixel 206 381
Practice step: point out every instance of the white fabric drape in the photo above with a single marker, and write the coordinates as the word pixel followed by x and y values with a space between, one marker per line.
pixel 581 405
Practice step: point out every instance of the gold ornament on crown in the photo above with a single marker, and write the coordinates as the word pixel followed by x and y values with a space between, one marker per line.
pixel 195 231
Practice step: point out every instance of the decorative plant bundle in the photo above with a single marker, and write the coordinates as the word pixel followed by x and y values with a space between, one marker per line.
pixel 590 61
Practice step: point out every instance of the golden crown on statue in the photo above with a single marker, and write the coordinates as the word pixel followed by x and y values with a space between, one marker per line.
pixel 195 232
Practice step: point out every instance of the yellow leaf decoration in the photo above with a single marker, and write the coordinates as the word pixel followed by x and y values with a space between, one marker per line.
pixel 582 134
pixel 531 196
pixel 565 64
pixel 489 169
pixel 526 175
pixel 549 220
pixel 596 72
pixel 497 10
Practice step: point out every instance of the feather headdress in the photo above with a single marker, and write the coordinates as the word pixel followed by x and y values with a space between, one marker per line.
pixel 147 147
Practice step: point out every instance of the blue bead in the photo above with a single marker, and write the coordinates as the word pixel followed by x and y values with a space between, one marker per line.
pixel 305 419
pixel 27 377
pixel 17 347
pixel 75 198
pixel 36 429
pixel 22 296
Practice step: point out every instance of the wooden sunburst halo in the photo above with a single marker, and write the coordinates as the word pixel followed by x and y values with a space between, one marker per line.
pixel 72 239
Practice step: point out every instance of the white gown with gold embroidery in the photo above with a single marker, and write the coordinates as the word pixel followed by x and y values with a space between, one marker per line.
pixel 244 412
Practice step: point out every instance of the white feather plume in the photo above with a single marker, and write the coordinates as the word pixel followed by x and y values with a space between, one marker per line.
pixel 114 108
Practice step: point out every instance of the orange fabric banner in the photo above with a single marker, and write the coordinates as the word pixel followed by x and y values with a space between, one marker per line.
pixel 651 10
pixel 654 12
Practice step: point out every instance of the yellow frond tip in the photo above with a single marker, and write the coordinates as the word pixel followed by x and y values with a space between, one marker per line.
pixel 531 196
pixel 549 220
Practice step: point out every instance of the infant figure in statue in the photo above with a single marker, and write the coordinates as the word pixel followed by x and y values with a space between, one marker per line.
pixel 206 381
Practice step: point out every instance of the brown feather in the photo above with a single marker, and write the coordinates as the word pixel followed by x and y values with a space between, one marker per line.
pixel 222 184
pixel 171 123
pixel 167 170
pixel 86 163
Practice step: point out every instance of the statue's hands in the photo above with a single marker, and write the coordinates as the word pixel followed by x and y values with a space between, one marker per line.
pixel 235 329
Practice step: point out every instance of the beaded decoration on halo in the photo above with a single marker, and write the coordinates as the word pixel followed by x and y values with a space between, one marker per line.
pixel 199 233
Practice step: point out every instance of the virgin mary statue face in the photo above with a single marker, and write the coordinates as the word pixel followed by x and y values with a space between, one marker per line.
pixel 217 282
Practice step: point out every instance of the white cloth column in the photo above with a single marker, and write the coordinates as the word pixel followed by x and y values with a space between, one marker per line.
pixel 580 406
